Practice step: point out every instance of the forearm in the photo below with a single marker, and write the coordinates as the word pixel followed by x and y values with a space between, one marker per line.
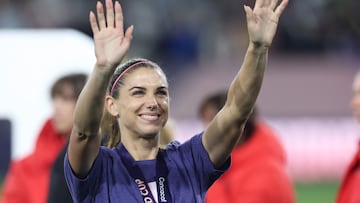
pixel 246 86
pixel 223 132
pixel 85 138
pixel 90 105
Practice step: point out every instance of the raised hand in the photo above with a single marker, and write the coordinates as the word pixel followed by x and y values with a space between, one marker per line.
pixel 111 43
pixel 262 21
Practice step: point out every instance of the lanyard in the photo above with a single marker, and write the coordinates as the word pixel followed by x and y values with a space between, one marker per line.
pixel 137 175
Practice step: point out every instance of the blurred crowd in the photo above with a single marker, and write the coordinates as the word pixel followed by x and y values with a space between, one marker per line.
pixel 179 32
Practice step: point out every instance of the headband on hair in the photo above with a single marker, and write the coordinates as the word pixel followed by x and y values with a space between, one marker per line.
pixel 126 70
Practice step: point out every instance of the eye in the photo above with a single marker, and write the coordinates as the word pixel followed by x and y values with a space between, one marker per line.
pixel 138 93
pixel 162 93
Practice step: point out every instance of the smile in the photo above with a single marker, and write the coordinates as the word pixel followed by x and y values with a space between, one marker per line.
pixel 150 117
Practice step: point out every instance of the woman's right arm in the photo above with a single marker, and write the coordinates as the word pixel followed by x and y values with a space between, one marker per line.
pixel 111 45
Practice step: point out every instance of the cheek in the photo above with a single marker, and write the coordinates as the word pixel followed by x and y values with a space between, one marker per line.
pixel 66 109
pixel 68 115
pixel 206 119
pixel 356 100
pixel 64 118
pixel 164 104
pixel 129 106
pixel 71 107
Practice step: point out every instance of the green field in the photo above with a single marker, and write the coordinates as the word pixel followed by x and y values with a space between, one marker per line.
pixel 322 192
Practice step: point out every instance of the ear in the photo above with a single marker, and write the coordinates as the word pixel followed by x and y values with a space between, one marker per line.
pixel 111 106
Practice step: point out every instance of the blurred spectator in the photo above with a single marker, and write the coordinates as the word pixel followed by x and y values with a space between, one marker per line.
pixel 28 178
pixel 349 188
pixel 58 190
pixel 258 163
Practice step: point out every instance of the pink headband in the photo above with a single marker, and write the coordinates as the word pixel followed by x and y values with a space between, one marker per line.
pixel 126 70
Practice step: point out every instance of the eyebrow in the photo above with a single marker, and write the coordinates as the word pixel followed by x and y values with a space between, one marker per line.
pixel 143 88
pixel 136 87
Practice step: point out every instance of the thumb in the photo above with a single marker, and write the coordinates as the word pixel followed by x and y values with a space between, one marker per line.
pixel 249 13
pixel 128 36
pixel 129 32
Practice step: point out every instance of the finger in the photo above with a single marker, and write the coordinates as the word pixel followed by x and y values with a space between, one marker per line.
pixel 100 15
pixel 279 10
pixel 128 37
pixel 249 13
pixel 273 4
pixel 267 3
pixel 129 33
pixel 110 13
pixel 119 19
pixel 93 23
pixel 259 4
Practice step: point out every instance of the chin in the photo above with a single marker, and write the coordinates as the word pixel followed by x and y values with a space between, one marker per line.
pixel 62 129
pixel 151 132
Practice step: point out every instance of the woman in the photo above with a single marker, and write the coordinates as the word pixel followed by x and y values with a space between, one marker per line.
pixel 28 179
pixel 136 170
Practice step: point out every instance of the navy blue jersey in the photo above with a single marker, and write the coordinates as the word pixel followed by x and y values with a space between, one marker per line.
pixel 190 174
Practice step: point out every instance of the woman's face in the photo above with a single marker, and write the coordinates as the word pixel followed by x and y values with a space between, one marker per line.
pixel 143 102
pixel 63 109
pixel 208 114
pixel 355 102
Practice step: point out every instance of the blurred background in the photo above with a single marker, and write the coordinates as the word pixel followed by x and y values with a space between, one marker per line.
pixel 200 45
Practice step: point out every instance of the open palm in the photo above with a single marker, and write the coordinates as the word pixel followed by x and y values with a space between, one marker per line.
pixel 262 21
pixel 111 43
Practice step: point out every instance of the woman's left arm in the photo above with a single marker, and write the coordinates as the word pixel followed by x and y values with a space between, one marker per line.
pixel 225 129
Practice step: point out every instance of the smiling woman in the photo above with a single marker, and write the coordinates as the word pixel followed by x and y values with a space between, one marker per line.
pixel 144 96
pixel 135 96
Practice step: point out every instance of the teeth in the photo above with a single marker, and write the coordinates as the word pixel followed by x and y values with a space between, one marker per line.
pixel 149 117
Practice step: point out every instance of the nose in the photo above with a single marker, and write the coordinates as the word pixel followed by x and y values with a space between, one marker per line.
pixel 152 103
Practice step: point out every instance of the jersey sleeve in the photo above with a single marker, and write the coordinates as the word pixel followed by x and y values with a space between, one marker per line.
pixel 197 160
pixel 82 189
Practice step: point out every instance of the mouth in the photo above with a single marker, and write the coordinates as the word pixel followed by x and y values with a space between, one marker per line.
pixel 150 117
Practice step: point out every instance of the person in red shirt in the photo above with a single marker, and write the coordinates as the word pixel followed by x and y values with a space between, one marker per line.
pixel 349 188
pixel 258 163
pixel 27 180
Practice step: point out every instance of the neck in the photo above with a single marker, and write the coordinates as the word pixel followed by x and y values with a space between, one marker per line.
pixel 141 149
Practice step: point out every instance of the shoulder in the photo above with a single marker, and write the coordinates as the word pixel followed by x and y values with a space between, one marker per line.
pixel 106 154
pixel 193 141
pixel 191 153
pixel 23 164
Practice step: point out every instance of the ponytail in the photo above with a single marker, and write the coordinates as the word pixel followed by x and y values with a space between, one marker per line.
pixel 110 130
